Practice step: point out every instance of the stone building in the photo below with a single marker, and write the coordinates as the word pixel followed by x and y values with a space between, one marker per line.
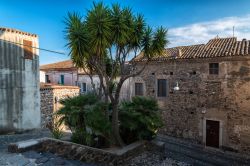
pixel 19 81
pixel 212 105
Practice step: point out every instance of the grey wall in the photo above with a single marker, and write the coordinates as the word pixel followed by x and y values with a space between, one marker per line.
pixel 19 83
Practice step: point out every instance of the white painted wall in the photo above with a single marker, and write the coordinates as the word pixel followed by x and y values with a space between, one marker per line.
pixel 42 76
pixel 70 77
pixel 86 79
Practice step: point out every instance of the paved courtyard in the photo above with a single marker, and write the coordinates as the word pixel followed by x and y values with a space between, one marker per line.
pixel 178 153
pixel 31 158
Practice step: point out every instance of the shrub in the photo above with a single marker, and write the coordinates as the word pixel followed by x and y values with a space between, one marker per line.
pixel 85 117
pixel 57 132
pixel 140 119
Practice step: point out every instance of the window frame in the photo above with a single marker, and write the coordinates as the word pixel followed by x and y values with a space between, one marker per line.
pixel 160 92
pixel 140 91
pixel 214 68
pixel 62 79
pixel 82 89
pixel 47 78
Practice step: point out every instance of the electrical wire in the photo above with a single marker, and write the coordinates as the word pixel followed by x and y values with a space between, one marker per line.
pixel 43 49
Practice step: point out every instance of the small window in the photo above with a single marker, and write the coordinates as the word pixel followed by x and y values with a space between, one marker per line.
pixel 47 79
pixel 62 79
pixel 214 68
pixel 138 89
pixel 27 46
pixel 162 87
pixel 84 87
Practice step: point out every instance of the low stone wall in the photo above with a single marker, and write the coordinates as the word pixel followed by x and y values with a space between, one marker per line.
pixel 50 97
pixel 80 152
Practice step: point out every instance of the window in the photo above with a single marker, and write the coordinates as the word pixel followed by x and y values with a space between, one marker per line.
pixel 84 87
pixel 162 87
pixel 213 68
pixel 62 79
pixel 27 46
pixel 47 79
pixel 138 89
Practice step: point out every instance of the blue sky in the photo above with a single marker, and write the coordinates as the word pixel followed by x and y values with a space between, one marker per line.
pixel 188 21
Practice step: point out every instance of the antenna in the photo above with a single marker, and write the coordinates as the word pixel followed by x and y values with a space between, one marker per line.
pixel 233 31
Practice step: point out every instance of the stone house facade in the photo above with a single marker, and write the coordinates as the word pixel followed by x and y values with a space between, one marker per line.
pixel 19 81
pixel 212 105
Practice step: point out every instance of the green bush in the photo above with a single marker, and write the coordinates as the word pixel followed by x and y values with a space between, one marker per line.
pixel 139 119
pixel 85 117
pixel 56 131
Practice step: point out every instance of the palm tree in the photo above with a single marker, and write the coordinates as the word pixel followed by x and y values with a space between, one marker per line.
pixel 112 33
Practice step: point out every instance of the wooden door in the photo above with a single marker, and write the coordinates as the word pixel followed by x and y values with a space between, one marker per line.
pixel 212 133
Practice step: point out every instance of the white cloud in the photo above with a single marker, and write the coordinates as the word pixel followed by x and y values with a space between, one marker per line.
pixel 201 32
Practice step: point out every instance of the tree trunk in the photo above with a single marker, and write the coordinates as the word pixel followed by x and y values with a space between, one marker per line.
pixel 107 107
pixel 115 125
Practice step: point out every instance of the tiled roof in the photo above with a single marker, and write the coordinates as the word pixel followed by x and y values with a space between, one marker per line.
pixel 63 65
pixel 59 65
pixel 218 47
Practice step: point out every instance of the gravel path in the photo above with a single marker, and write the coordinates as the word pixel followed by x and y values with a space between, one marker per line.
pixel 150 158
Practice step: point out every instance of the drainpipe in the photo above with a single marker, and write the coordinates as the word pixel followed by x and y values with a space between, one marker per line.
pixel 203 112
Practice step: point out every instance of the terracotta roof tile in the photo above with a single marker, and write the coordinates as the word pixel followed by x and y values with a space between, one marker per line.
pixel 63 65
pixel 217 47
pixel 59 65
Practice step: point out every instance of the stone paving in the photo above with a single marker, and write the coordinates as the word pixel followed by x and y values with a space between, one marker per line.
pixel 31 158
pixel 177 154
pixel 150 158
pixel 194 154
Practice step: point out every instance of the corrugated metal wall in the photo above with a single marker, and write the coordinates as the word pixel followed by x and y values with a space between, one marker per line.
pixel 19 88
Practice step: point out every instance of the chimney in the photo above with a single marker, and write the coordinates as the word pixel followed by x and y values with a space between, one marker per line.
pixel 179 52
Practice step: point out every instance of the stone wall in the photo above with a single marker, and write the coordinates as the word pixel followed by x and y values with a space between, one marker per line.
pixel 50 97
pixel 69 150
pixel 224 98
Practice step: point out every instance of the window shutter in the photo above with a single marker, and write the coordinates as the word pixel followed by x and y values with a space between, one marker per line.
pixel 62 79
pixel 138 89
pixel 28 50
pixel 162 88
pixel 214 68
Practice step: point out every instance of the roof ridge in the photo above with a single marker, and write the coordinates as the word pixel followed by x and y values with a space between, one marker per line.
pixel 67 64
pixel 17 31
pixel 57 62
pixel 217 47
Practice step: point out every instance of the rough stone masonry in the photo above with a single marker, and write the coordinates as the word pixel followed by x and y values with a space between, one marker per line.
pixel 222 98
pixel 50 97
